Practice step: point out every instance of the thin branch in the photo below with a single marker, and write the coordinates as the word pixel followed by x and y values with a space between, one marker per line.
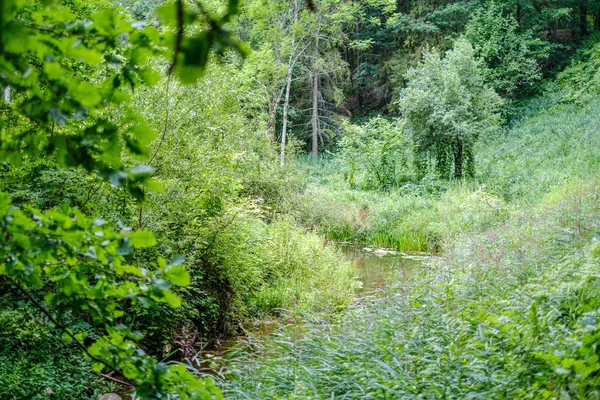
pixel 179 37
pixel 63 33
pixel 63 328
pixel 93 190
pixel 113 379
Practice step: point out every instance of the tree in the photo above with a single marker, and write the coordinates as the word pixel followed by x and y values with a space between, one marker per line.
pixel 325 69
pixel 446 106
pixel 69 66
pixel 510 55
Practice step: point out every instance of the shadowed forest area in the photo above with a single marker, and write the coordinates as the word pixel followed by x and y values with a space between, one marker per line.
pixel 299 199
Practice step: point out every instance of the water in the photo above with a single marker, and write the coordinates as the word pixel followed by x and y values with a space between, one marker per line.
pixel 377 267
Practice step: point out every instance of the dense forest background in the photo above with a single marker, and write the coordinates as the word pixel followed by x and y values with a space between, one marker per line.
pixel 173 171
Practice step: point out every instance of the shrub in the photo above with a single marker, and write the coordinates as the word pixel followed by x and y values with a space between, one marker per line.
pixel 378 151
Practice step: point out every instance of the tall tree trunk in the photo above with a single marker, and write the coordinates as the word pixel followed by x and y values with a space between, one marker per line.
pixel 272 124
pixel 315 99
pixel 7 94
pixel 315 115
pixel 519 13
pixel 286 106
pixel 288 85
pixel 458 159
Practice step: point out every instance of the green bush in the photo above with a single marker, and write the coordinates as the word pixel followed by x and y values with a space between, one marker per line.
pixel 375 155
pixel 447 107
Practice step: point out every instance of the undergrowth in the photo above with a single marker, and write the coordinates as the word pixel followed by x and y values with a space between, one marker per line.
pixel 510 310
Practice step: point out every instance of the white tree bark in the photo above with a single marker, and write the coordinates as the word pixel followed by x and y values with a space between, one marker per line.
pixel 286 106
pixel 315 97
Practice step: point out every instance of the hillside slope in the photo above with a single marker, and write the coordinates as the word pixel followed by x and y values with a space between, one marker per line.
pixel 510 310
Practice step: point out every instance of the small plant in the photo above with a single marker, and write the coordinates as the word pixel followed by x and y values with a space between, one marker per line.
pixel 375 155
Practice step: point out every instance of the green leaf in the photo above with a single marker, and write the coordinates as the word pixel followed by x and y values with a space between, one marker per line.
pixel 142 239
pixel 171 299
pixel 178 275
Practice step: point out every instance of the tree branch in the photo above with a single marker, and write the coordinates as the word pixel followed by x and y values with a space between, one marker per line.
pixel 63 328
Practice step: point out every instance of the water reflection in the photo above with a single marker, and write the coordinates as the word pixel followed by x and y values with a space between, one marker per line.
pixel 377 267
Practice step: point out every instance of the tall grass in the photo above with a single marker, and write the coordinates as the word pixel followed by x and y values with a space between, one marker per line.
pixel 511 309
pixel 552 144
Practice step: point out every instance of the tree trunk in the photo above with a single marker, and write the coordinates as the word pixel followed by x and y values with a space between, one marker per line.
pixel 288 85
pixel 7 94
pixel 272 124
pixel 458 159
pixel 286 106
pixel 519 13
pixel 315 99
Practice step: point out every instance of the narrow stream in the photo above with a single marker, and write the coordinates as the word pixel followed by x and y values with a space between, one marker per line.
pixel 377 267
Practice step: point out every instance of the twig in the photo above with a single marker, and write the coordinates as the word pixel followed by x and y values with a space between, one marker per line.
pixel 62 327
pixel 113 379
pixel 93 190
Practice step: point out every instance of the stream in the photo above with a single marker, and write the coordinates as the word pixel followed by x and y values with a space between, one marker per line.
pixel 376 269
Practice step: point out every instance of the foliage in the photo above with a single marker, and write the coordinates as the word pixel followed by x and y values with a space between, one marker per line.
pixel 581 79
pixel 84 266
pixel 291 256
pixel 553 144
pixel 35 363
pixel 508 310
pixel 510 55
pixel 452 330
pixel 92 199
pixel 56 107
pixel 379 149
pixel 447 107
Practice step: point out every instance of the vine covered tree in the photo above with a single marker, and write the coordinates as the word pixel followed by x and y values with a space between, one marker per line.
pixel 447 107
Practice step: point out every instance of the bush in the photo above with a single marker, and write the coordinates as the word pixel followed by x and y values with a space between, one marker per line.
pixel 378 152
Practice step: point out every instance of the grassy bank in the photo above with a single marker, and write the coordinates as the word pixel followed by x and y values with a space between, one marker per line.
pixel 509 311
pixel 551 144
